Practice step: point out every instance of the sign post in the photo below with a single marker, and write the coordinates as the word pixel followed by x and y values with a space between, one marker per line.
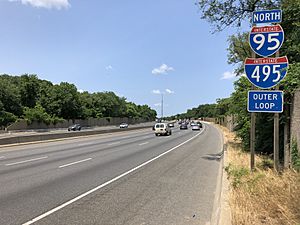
pixel 266 73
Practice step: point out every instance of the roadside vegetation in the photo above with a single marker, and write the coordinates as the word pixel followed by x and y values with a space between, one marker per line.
pixel 223 14
pixel 28 97
pixel 262 196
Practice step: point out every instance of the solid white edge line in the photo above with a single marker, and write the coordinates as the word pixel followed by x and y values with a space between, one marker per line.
pixel 25 161
pixel 107 183
pixel 143 143
pixel 70 164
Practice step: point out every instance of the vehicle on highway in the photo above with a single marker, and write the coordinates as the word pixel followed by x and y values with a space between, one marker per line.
pixel 195 127
pixel 74 127
pixel 200 124
pixel 171 124
pixel 123 125
pixel 162 129
pixel 183 126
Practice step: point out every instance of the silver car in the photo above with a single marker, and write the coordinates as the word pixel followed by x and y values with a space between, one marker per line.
pixel 123 125
pixel 195 127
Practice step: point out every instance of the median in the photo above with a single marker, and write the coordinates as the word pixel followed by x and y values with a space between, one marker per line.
pixel 29 138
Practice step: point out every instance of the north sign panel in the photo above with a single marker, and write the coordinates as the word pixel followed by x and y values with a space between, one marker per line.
pixel 266 72
pixel 266 40
pixel 267 16
pixel 265 101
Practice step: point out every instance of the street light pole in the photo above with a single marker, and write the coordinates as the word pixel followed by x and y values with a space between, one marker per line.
pixel 162 106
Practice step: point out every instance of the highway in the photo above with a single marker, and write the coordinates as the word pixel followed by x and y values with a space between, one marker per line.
pixel 131 178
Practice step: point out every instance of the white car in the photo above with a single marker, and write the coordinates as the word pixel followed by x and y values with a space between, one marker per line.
pixel 162 129
pixel 171 124
pixel 123 125
pixel 195 127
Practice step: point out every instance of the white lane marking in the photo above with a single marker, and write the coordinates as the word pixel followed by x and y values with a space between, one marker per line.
pixel 143 143
pixel 2 157
pixel 114 143
pixel 70 164
pixel 106 183
pixel 84 144
pixel 25 161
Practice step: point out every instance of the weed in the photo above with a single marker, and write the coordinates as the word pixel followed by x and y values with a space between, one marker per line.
pixel 295 155
pixel 261 196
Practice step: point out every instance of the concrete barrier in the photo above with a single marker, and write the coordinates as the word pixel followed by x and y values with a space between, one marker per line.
pixel 52 136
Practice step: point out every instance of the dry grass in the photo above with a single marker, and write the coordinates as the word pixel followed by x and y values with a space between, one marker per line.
pixel 263 196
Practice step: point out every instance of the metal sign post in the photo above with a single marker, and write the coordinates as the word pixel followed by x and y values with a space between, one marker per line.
pixel 266 73
pixel 252 132
pixel 276 135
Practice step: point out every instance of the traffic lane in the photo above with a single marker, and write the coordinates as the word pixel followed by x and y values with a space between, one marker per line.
pixel 37 150
pixel 10 171
pixel 51 186
pixel 178 188
pixel 46 186
pixel 69 141
pixel 63 146
pixel 45 155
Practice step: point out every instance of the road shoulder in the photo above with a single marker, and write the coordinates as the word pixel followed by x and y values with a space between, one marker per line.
pixel 224 216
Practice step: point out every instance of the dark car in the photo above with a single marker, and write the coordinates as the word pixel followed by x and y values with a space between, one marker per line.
pixel 183 126
pixel 200 124
pixel 74 127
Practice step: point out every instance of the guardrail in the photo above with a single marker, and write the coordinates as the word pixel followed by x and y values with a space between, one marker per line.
pixel 52 136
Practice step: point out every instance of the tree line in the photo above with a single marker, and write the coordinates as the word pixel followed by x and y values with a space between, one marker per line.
pixel 28 97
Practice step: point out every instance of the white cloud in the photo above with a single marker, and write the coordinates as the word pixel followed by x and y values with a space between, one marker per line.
pixel 228 75
pixel 157 104
pixel 169 91
pixel 109 67
pixel 80 91
pixel 163 69
pixel 48 4
pixel 156 92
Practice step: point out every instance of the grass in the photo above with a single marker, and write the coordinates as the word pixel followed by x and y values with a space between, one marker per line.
pixel 262 196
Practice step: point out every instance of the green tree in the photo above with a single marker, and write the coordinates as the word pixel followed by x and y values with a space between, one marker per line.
pixel 29 90
pixel 62 101
pixel 6 118
pixel 37 113
pixel 9 95
pixel 225 13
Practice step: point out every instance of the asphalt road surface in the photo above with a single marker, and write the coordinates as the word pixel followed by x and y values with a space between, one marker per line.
pixel 131 178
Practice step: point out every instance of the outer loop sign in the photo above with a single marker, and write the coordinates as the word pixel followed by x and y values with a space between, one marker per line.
pixel 265 101
pixel 267 40
pixel 266 72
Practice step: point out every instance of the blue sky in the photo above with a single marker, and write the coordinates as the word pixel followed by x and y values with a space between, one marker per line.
pixel 136 48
